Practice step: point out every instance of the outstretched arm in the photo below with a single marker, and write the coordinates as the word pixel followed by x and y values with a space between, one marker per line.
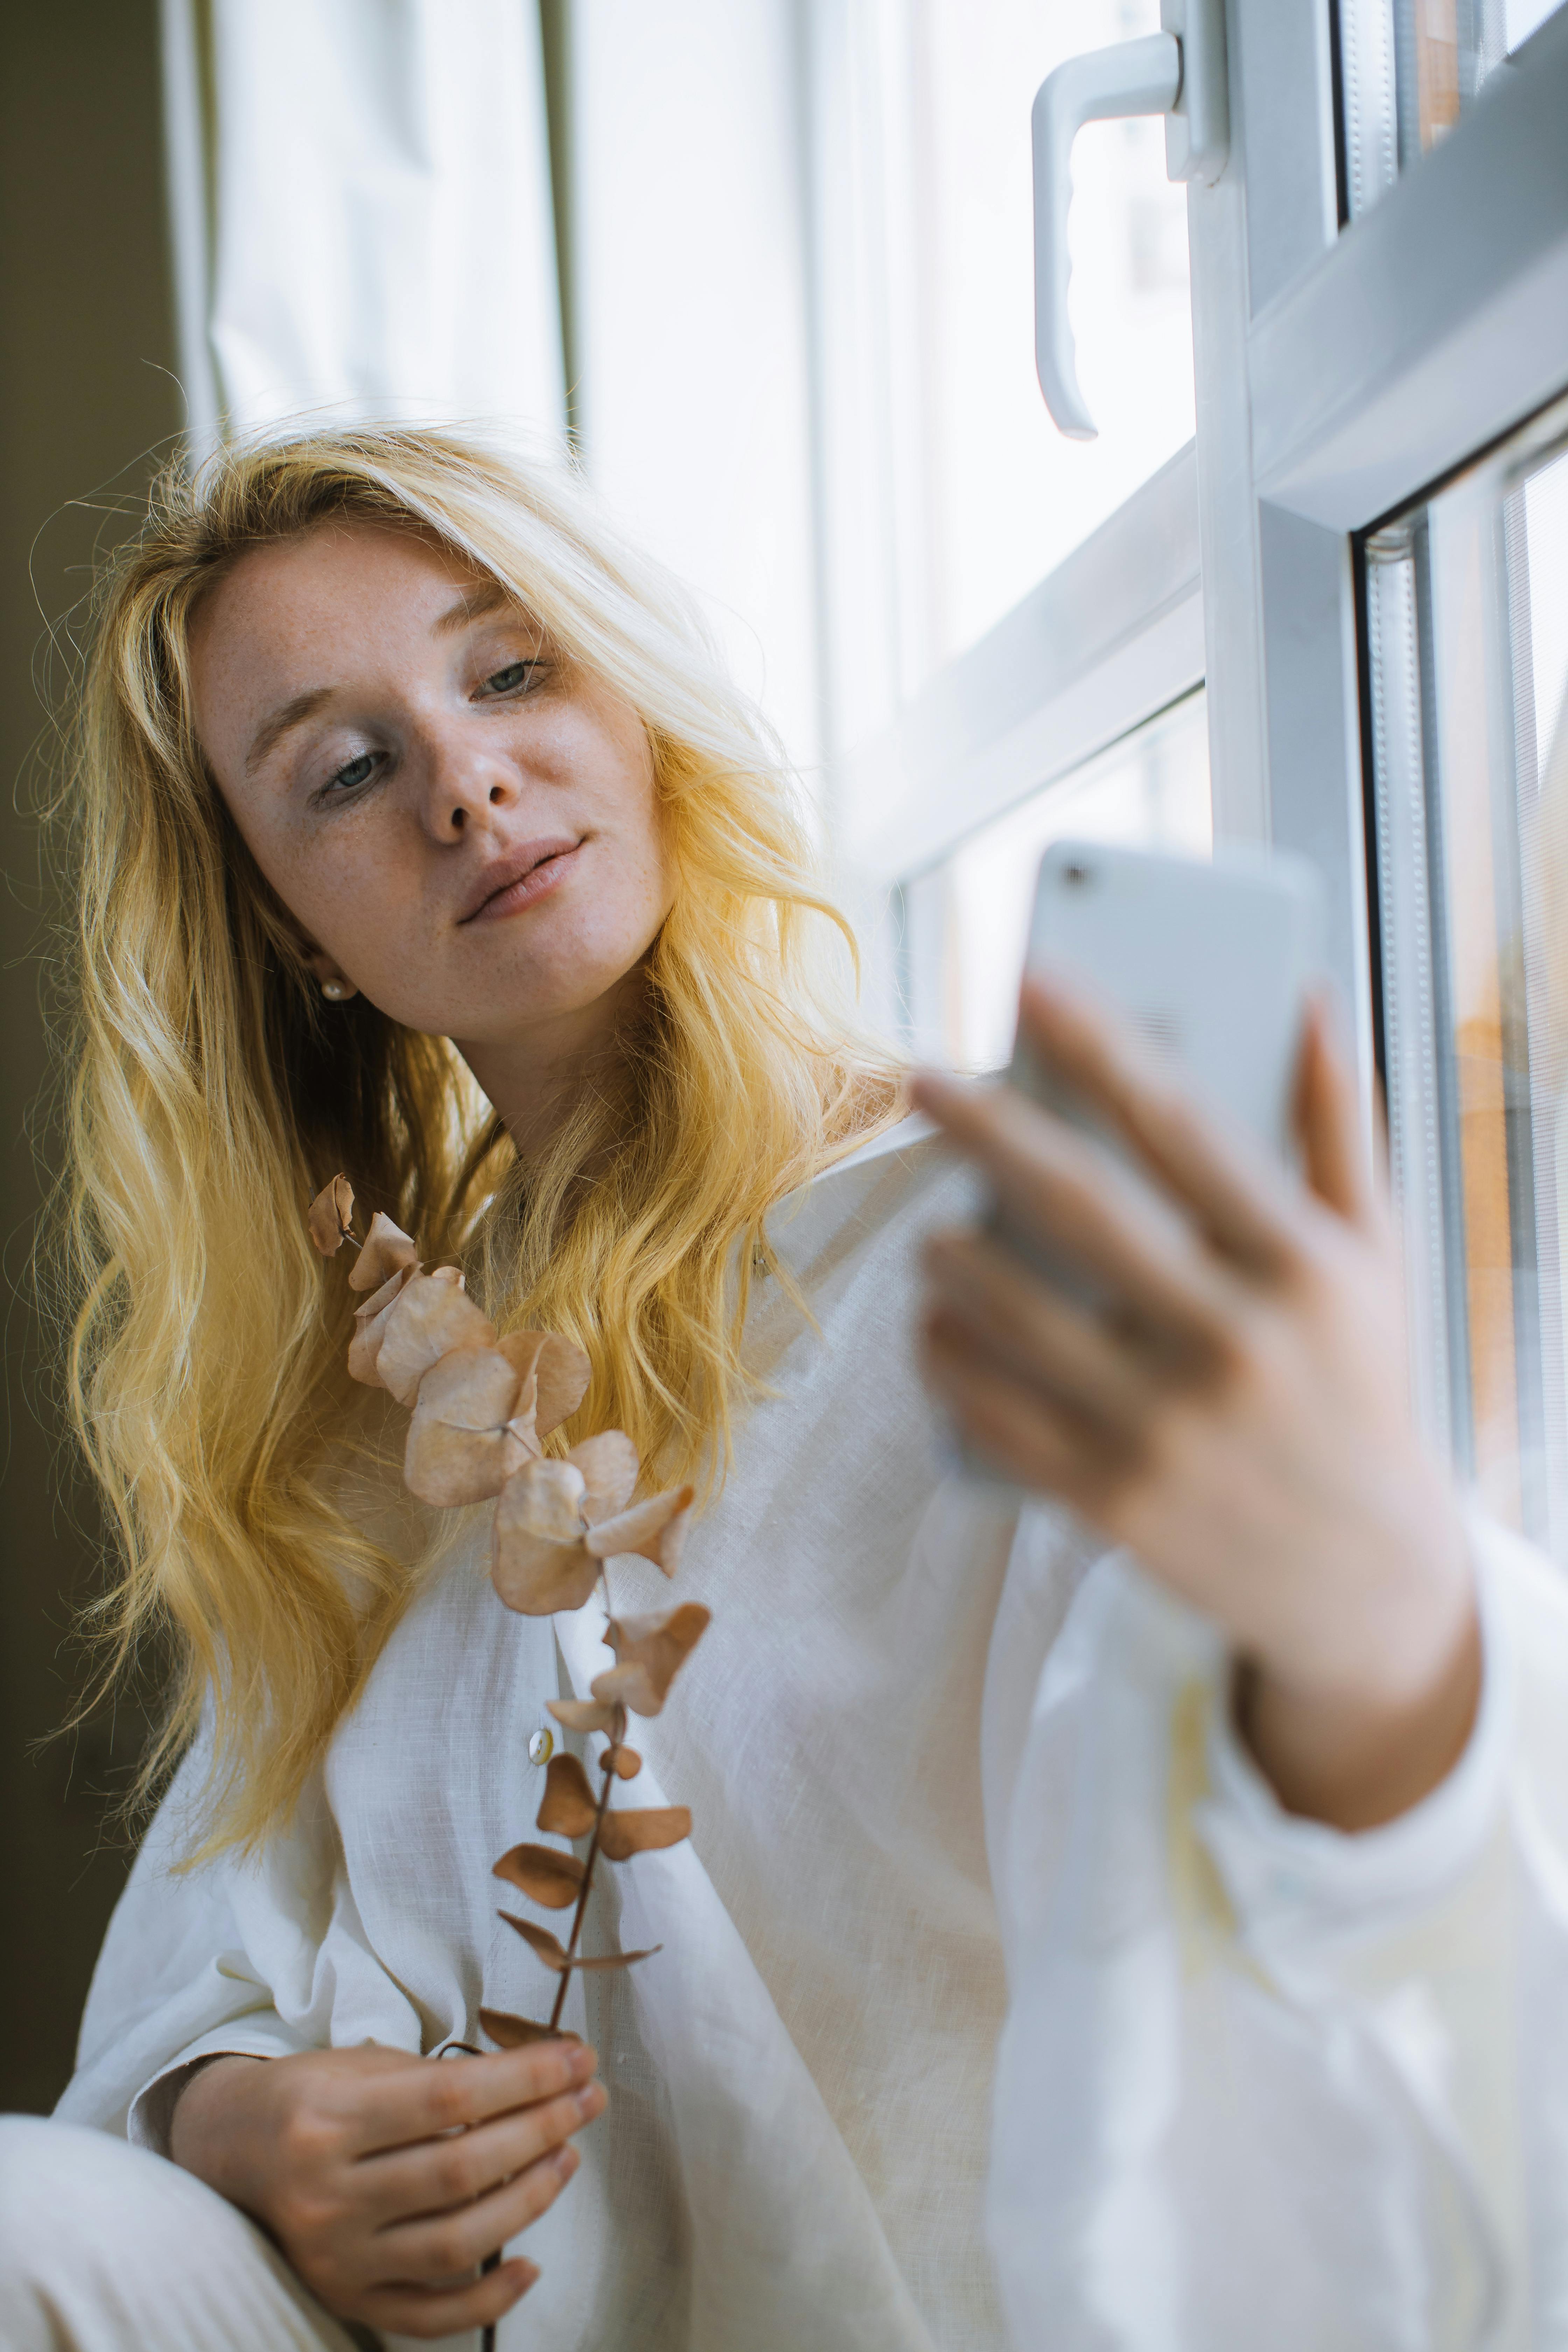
pixel 1238 1415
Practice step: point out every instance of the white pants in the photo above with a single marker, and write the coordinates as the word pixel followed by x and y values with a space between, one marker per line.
pixel 105 2248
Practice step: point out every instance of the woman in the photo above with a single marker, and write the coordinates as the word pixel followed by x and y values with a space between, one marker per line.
pixel 419 835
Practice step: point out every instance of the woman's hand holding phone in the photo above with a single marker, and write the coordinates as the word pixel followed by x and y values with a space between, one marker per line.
pixel 387 2178
pixel 1238 1414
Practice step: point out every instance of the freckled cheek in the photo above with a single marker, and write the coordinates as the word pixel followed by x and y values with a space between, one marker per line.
pixel 362 916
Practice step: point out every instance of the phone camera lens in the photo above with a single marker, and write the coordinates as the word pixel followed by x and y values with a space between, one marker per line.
pixel 1075 877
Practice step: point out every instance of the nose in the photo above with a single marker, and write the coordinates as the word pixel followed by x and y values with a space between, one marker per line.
pixel 467 781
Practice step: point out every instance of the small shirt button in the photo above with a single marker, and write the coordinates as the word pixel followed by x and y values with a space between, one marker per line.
pixel 541 1747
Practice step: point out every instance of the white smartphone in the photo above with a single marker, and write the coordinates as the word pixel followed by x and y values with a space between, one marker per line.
pixel 1210 962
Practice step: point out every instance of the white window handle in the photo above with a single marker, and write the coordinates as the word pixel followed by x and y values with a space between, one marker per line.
pixel 1179 73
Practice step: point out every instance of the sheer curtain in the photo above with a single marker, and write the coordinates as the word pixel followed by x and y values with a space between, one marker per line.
pixel 689 300
pixel 360 206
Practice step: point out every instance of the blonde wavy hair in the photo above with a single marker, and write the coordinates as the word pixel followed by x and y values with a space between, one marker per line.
pixel 209 1096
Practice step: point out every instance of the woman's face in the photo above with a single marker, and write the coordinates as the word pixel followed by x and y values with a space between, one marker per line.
pixel 463 828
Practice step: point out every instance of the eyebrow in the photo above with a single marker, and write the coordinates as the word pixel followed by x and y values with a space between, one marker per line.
pixel 472 606
pixel 278 722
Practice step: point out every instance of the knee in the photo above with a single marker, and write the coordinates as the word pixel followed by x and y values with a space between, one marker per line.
pixel 104 2245
pixel 61 2184
pixel 39 2161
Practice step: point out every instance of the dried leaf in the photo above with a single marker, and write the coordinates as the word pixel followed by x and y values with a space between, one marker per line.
pixel 380 1300
pixel 543 1874
pixel 582 1713
pixel 622 1761
pixel 387 1250
pixel 429 1317
pixel 562 1370
pixel 329 1215
pixel 650 1652
pixel 517 2033
pixel 623 1835
pixel 545 1498
pixel 568 1807
pixel 463 1445
pixel 655 1529
pixel 539 1563
pixel 550 1948
pixel 609 1465
pixel 370 1330
pixel 540 1580
pixel 552 1952
pixel 523 1420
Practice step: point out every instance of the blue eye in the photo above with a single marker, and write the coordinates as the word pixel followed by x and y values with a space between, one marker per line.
pixel 357 772
pixel 516 674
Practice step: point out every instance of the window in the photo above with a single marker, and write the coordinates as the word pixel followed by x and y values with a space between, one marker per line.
pixel 1413 68
pixel 1364 565
pixel 1444 51
pixel 1011 496
pixel 1467 604
pixel 1047 722
pixel 947 493
pixel 962 991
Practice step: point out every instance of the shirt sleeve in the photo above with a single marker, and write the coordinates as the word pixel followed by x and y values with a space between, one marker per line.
pixel 1262 2080
pixel 257 1956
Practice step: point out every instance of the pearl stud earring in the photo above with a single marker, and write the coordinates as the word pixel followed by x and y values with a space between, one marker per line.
pixel 335 990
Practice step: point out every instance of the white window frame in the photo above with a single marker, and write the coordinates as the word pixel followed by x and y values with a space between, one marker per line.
pixel 1342 370
pixel 1423 332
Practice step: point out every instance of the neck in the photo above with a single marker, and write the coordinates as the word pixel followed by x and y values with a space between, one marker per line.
pixel 535 1081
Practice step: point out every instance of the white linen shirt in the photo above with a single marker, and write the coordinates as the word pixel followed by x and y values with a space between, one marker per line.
pixel 1258 2082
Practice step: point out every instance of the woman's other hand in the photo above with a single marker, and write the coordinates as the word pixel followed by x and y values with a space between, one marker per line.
pixel 387 2178
pixel 1238 1414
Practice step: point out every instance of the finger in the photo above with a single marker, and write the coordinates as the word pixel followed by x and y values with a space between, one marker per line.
pixel 1015 1428
pixel 453 2093
pixel 1329 1122
pixel 1031 1331
pixel 428 2311
pixel 406 2184
pixel 1223 1175
pixel 1070 1195
pixel 440 2250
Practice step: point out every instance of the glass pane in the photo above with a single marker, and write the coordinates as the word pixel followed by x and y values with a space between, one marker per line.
pixel 1445 50
pixel 1408 71
pixel 1469 603
pixel 968 919
pixel 1010 495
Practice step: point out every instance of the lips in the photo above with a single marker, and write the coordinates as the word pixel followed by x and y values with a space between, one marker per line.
pixel 514 881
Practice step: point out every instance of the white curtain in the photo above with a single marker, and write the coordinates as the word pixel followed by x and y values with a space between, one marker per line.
pixel 691 306
pixel 362 215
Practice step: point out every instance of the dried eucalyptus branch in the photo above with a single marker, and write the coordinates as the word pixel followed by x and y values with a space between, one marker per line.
pixel 481 1406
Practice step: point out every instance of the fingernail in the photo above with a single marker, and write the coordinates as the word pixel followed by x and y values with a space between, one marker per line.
pixel 566 2161
pixel 583 2061
pixel 591 2102
pixel 523 2275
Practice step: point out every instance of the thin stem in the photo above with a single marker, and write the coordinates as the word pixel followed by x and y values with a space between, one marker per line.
pixel 616 1735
